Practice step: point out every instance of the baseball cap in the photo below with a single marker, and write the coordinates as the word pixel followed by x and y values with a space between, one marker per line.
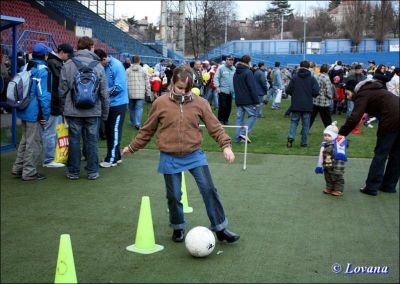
pixel 41 49
pixel 371 61
pixel 66 48
pixel 229 57
pixel 358 66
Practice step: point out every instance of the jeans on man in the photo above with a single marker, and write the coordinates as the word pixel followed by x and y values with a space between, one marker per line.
pixel 251 111
pixel 305 122
pixel 214 99
pixel 114 123
pixel 260 110
pixel 213 205
pixel 29 149
pixel 90 128
pixel 225 107
pixel 49 139
pixel 350 107
pixel 136 112
pixel 387 148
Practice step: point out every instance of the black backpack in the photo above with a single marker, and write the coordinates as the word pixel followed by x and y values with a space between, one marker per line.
pixel 86 85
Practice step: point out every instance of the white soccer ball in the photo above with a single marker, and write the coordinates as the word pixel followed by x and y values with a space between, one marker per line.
pixel 200 241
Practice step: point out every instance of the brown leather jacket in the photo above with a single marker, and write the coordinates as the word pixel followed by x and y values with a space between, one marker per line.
pixel 177 126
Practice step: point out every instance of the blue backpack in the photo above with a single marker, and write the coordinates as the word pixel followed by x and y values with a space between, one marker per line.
pixel 86 85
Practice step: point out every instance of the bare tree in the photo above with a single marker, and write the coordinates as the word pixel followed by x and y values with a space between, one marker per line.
pixel 394 23
pixel 383 14
pixel 296 25
pixel 355 21
pixel 205 24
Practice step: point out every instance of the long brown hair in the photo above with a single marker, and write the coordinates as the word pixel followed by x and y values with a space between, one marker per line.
pixel 181 74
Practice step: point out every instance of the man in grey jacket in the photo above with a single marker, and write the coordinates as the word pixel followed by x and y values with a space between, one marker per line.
pixel 80 120
pixel 223 82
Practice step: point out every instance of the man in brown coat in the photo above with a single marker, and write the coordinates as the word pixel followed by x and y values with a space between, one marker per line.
pixel 370 96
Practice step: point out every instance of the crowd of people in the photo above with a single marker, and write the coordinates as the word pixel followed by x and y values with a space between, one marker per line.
pixel 326 90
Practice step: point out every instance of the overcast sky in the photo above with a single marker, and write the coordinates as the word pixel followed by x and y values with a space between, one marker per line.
pixel 246 9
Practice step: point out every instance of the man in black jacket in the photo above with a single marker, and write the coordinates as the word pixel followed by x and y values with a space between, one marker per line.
pixel 370 96
pixel 49 135
pixel 247 96
pixel 169 70
pixel 303 87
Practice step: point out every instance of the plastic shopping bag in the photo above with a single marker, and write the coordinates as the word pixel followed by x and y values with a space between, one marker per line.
pixel 61 155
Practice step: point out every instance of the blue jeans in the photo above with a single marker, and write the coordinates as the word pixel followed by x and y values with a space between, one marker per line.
pixel 251 120
pixel 260 110
pixel 213 205
pixel 215 99
pixel 136 111
pixel 49 139
pixel 387 148
pixel 90 126
pixel 350 107
pixel 212 97
pixel 305 122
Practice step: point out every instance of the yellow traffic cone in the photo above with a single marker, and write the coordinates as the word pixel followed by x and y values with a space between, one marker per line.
pixel 184 200
pixel 144 241
pixel 65 271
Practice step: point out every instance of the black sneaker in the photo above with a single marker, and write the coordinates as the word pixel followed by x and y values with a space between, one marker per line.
pixel 244 138
pixel 289 143
pixel 36 176
pixel 369 192
pixel 178 236
pixel 17 175
pixel 226 235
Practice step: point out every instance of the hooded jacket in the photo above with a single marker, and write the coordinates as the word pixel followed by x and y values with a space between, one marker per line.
pixel 303 88
pixel 244 84
pixel 39 107
pixel 68 71
pixel 116 79
pixel 370 96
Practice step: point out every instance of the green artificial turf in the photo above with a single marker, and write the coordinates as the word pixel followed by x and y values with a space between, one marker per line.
pixel 290 231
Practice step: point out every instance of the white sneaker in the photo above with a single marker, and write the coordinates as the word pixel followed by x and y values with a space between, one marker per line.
pixel 53 165
pixel 119 161
pixel 107 165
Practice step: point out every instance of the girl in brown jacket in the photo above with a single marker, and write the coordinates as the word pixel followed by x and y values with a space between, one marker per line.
pixel 176 118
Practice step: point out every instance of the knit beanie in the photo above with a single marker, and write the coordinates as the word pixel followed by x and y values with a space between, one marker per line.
pixel 332 130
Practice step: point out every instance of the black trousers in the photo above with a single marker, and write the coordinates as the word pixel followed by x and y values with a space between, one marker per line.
pixel 384 175
pixel 115 120
pixel 225 107
pixel 325 114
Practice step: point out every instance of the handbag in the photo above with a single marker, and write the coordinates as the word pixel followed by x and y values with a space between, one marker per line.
pixel 61 155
